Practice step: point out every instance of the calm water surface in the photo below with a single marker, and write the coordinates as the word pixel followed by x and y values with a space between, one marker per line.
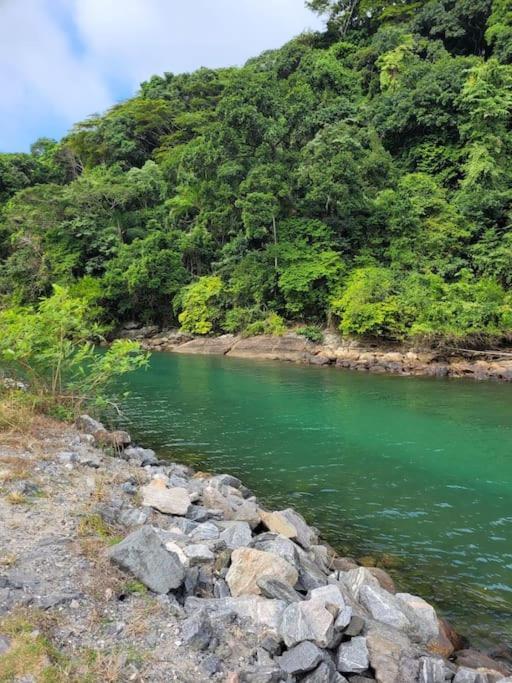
pixel 414 468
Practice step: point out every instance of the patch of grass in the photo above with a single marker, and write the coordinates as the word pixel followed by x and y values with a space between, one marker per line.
pixel 95 525
pixel 15 469
pixel 134 587
pixel 8 560
pixel 32 653
pixel 16 498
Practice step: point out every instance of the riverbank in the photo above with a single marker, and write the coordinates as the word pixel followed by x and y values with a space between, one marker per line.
pixel 335 352
pixel 120 567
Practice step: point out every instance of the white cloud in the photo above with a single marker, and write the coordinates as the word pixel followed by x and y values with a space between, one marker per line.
pixel 61 60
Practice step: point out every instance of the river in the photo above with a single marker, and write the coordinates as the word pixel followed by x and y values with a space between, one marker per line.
pixel 416 472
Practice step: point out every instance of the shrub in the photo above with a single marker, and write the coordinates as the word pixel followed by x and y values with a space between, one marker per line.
pixel 273 324
pixel 200 305
pixel 311 332
pixel 52 348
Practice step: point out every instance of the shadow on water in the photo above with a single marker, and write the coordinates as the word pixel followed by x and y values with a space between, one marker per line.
pixel 416 468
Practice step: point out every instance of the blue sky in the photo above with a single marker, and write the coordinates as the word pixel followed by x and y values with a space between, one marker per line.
pixel 62 60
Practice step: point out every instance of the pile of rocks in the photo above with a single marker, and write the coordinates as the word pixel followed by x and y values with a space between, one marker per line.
pixel 210 550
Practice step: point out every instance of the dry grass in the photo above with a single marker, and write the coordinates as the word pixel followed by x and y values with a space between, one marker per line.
pixel 16 498
pixel 15 468
pixel 8 560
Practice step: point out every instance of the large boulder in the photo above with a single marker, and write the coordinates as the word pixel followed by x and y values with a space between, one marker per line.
pixel 264 614
pixel 383 606
pixel 236 534
pixel 143 555
pixel 248 565
pixel 174 501
pixel 307 620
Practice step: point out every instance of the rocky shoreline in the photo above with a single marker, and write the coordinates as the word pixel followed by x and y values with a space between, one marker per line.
pixel 334 352
pixel 164 574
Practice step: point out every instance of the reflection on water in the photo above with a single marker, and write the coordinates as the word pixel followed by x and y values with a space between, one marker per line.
pixel 414 468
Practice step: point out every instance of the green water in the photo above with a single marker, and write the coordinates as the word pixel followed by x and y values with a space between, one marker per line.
pixel 417 468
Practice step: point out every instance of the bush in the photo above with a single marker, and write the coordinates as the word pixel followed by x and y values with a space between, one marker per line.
pixel 51 347
pixel 200 305
pixel 273 324
pixel 311 332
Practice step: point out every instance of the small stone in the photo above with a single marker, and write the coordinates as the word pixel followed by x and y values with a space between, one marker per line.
pixel 143 555
pixel 301 658
pixel 211 665
pixel 173 501
pixel 198 553
pixel 352 656
pixel 271 645
pixel 248 565
pixel 196 631
pixel 307 620
pixel 129 488
pixel 277 589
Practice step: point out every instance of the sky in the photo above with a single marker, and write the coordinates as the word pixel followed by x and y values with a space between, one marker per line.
pixel 63 60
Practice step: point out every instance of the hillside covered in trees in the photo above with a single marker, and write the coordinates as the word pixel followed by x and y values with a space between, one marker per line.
pixel 361 176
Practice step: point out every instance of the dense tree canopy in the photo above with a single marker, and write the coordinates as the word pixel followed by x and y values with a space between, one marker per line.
pixel 360 176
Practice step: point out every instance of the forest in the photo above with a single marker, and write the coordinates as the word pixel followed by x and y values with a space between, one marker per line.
pixel 359 177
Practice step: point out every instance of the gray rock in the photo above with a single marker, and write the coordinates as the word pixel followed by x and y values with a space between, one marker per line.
pixel 307 620
pixel 277 589
pixel 355 626
pixel 87 424
pixel 324 673
pixel 383 606
pixel 310 574
pixel 432 670
pixel 143 555
pixel 264 613
pixel 205 532
pixel 221 589
pixel 237 535
pixel 211 665
pixel 143 456
pixel 129 487
pixel 225 480
pixel 352 656
pixel 392 655
pixel 329 595
pixel 423 617
pixel 354 579
pixel 271 645
pixel 198 513
pixel 262 674
pixel 90 459
pixel 196 631
pixel 306 536
pixel 465 675
pixel 301 658
pixel 271 543
pixel 129 516
pixel 198 553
